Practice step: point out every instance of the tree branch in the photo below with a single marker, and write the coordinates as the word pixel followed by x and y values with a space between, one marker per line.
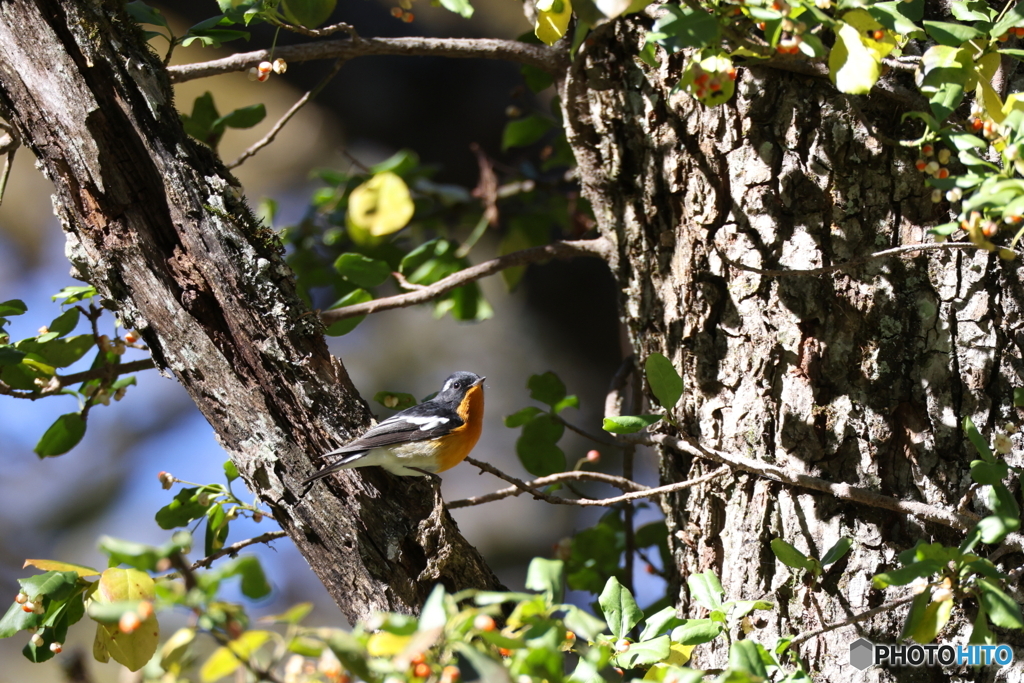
pixel 269 137
pixel 603 502
pixel 895 251
pixel 543 57
pixel 577 475
pixel 889 606
pixel 599 247
pixel 58 382
pixel 235 547
pixel 929 513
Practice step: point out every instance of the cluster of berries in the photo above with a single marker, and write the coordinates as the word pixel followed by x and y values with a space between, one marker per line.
pixel 705 83
pixel 262 72
pixel 403 11
pixel 1015 31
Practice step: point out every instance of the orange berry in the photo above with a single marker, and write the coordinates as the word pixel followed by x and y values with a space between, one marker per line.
pixel 1003 38
pixel 977 124
pixel 56 648
pixel 927 150
pixel 21 598
pixel 651 569
pixel 731 73
pixel 408 17
pixel 129 622
pixel 145 610
pixel 593 456
pixel 1018 30
pixel 421 670
pixel 504 652
pixel 942 174
pixel 715 86
pixel 920 164
pixel 990 229
pixel 762 25
pixel 418 658
pixel 878 34
pixel 450 674
pixel 396 12
pixel 702 78
pixel 570 636
pixel 484 622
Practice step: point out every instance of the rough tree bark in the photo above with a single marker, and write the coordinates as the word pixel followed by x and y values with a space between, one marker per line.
pixel 156 223
pixel 861 377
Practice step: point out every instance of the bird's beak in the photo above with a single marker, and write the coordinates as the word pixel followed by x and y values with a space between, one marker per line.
pixel 479 382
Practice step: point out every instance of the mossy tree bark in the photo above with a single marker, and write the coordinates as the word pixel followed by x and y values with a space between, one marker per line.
pixel 861 377
pixel 157 224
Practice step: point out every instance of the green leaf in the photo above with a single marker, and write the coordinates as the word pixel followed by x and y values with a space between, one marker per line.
pixel 1001 608
pixel 706 590
pixel 904 575
pixel 536 446
pixel 12 356
pixel 395 400
pixel 619 608
pixel 696 631
pixel 567 402
pixel 356 296
pixel 546 576
pixel 140 555
pixel 245 117
pixel 744 655
pixel 401 162
pixel 62 436
pixel 836 552
pixel 644 653
pixel 521 417
pixel 199 124
pixel 583 623
pixel 933 619
pixel 1004 505
pixel 536 79
pixel 659 622
pixel 361 270
pixel 308 13
pixel 230 471
pixel 894 15
pixel 665 382
pixel 217 525
pixel 182 510
pixel 65 322
pixel 628 424
pixel 460 7
pixel 546 388
pixel 981 634
pixel 952 35
pixel 56 585
pixel 791 557
pixel 434 613
pixel 254 583
pixel 1013 17
pixel 71 295
pixel 144 14
pixel 682 26
pixel 16 619
pixel 979 443
pixel 988 473
pixel 525 131
pixel 13 307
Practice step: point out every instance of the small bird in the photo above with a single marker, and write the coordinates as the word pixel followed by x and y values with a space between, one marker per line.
pixel 430 437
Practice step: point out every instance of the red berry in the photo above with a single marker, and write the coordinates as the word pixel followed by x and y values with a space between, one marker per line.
pixel 396 12
pixel 421 670
pixel 484 622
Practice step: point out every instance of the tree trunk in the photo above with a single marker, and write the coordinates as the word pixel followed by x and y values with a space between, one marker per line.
pixel 157 224
pixel 860 377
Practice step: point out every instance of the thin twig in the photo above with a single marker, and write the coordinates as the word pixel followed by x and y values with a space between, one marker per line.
pixel 269 137
pixel 895 251
pixel 587 435
pixel 887 607
pixel 604 502
pixel 319 32
pixel 235 547
pixel 599 247
pixel 58 382
pixel 547 58
pixel 930 513
pixel 405 284
pixel 575 475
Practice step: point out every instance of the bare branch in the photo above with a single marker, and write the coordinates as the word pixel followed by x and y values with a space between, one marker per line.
pixel 543 57
pixel 576 475
pixel 235 547
pixel 929 513
pixel 603 502
pixel 58 382
pixel 895 251
pixel 269 137
pixel 319 32
pixel 887 607
pixel 599 247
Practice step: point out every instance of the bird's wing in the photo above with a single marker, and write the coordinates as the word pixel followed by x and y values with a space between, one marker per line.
pixel 419 423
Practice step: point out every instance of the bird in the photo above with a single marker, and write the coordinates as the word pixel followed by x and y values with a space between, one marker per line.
pixel 428 438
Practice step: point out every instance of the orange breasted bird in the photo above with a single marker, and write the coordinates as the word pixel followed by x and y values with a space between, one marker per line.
pixel 430 437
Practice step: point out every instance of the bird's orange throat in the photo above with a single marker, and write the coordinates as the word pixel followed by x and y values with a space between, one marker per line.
pixel 462 439
pixel 472 413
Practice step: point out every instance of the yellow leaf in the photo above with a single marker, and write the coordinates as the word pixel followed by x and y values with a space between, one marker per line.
pixel 381 205
pixel 119 585
pixel 226 659
pixel 552 20
pixel 55 566
pixel 855 62
pixel 133 649
pixel 679 654
pixel 989 98
pixel 384 644
pixel 173 651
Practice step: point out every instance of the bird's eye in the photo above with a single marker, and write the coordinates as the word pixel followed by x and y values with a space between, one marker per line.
pixel 456 385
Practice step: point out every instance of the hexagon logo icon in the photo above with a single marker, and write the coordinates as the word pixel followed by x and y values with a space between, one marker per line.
pixel 862 654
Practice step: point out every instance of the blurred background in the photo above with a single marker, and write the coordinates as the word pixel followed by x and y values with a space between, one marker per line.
pixel 561 318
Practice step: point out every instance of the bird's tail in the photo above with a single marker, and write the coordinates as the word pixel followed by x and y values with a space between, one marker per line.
pixel 334 467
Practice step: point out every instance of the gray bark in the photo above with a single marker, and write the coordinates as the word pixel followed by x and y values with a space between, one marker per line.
pixel 861 377
pixel 157 224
